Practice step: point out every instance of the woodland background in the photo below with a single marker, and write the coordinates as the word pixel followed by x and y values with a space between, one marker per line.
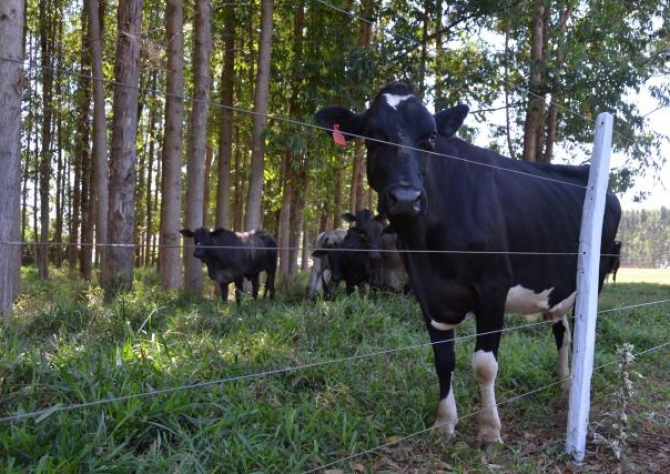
pixel 140 118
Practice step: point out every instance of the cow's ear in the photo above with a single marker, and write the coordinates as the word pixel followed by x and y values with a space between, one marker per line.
pixel 217 232
pixel 186 233
pixel 342 119
pixel 348 217
pixel 450 120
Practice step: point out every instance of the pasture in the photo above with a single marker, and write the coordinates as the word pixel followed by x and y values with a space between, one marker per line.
pixel 161 382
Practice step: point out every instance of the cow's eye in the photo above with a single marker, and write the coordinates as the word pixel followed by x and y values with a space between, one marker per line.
pixel 428 142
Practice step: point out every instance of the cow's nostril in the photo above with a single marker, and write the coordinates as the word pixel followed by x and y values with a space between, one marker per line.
pixel 405 200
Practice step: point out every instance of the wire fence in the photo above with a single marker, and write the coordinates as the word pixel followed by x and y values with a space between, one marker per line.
pixel 221 381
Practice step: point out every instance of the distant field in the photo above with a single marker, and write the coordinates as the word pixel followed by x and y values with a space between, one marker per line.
pixel 644 275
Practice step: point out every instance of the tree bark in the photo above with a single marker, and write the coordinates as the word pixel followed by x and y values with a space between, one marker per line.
pixel 46 47
pixel 99 195
pixel 202 84
pixel 12 18
pixel 226 131
pixel 252 217
pixel 535 111
pixel 117 272
pixel 170 260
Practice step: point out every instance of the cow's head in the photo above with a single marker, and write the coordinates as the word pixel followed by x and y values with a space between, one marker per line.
pixel 202 239
pixel 367 228
pixel 400 135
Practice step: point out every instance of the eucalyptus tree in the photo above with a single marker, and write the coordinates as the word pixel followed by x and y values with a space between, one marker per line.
pixel 12 18
pixel 170 261
pixel 252 215
pixel 117 271
pixel 202 85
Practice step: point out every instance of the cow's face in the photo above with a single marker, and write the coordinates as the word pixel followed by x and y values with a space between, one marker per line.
pixel 401 135
pixel 202 240
pixel 368 230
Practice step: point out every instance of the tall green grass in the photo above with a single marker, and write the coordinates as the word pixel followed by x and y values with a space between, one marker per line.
pixel 164 382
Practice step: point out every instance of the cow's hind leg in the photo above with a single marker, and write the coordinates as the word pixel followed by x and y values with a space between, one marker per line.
pixel 445 363
pixel 562 336
pixel 269 284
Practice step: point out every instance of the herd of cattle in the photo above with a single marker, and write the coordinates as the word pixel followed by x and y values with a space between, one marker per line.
pixel 364 255
pixel 470 233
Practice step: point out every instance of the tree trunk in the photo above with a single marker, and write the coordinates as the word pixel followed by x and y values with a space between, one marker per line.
pixel 535 112
pixel 12 18
pixel 46 46
pixel 202 84
pixel 99 195
pixel 117 272
pixel 170 259
pixel 252 217
pixel 226 131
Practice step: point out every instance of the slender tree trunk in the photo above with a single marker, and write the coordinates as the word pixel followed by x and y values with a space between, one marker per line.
pixel 238 206
pixel 202 84
pixel 46 46
pixel 357 195
pixel 534 114
pixel 12 18
pixel 117 272
pixel 169 259
pixel 99 191
pixel 226 131
pixel 252 217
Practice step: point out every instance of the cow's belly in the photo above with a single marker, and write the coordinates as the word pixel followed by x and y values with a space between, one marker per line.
pixel 524 301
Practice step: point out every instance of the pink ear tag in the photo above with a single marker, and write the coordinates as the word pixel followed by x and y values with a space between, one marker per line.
pixel 337 135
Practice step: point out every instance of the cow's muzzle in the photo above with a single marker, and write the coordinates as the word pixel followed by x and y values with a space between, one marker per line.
pixel 405 200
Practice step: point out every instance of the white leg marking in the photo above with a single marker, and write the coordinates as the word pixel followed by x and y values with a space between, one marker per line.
pixel 564 307
pixel 564 356
pixel 485 366
pixel 441 326
pixel 447 416
pixel 394 100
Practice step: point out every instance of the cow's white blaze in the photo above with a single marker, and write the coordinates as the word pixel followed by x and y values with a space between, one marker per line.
pixel 394 100
pixel 524 301
pixel 485 367
pixel 447 415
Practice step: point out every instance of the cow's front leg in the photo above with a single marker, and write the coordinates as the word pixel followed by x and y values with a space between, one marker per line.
pixel 485 367
pixel 445 363
pixel 239 288
pixel 223 286
pixel 254 285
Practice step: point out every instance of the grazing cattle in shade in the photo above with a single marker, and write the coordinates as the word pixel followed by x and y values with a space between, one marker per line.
pixel 320 276
pixel 615 259
pixel 233 256
pixel 487 234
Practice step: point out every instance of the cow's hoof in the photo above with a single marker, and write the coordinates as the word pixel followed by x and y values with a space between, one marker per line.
pixel 488 438
pixel 445 431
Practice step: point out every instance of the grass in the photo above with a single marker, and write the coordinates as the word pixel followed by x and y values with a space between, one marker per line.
pixel 197 385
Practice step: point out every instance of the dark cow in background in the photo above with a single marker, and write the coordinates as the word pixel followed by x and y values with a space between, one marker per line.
pixel 347 260
pixel 233 256
pixel 321 275
pixel 615 259
pixel 488 234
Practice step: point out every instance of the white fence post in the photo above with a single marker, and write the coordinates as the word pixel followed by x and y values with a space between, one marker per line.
pixel 586 305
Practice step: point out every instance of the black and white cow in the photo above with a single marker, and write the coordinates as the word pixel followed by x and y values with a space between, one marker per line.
pixel 233 256
pixel 480 230
pixel 320 277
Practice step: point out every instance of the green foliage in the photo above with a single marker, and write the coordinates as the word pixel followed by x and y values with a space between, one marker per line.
pixel 158 381
pixel 645 235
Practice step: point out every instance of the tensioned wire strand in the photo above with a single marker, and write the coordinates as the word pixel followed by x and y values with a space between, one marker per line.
pixel 62 408
pixel 469 415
